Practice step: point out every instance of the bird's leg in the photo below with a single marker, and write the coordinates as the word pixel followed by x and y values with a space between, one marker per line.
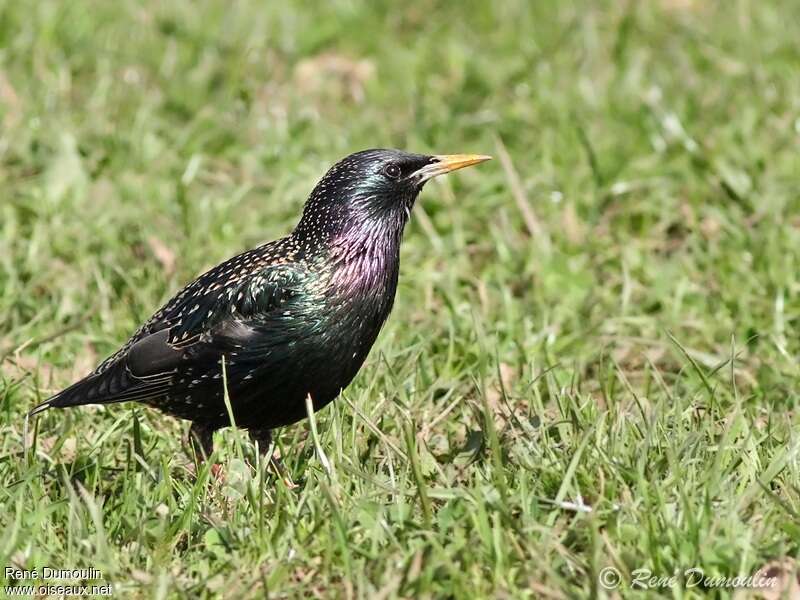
pixel 201 441
pixel 263 439
pixel 201 444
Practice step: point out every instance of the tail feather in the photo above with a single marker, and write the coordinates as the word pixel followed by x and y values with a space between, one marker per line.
pixel 76 394
pixel 112 385
pixel 39 408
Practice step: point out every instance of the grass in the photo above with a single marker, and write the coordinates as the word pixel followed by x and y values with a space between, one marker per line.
pixel 593 358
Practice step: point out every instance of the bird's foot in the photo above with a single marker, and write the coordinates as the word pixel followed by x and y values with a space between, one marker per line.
pixel 216 469
pixel 263 440
pixel 280 470
pixel 200 445
pixel 199 442
pixel 218 472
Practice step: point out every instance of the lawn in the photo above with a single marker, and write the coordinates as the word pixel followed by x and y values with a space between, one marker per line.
pixel 592 362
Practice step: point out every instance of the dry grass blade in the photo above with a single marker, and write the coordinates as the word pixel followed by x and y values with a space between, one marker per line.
pixel 532 223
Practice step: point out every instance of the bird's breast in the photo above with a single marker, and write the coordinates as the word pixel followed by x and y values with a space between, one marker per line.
pixel 358 300
pixel 319 341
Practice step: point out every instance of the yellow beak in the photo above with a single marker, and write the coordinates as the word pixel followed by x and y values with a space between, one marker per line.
pixel 453 162
pixel 446 163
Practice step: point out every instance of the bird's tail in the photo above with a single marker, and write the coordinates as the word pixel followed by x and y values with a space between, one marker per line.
pixel 114 384
pixel 82 392
pixel 39 408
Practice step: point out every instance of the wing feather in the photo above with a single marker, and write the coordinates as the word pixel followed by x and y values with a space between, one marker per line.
pixel 186 339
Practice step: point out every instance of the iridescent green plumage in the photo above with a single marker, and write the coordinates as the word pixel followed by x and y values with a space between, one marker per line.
pixel 290 319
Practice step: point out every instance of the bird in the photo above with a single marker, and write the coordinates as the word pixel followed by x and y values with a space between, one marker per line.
pixel 289 320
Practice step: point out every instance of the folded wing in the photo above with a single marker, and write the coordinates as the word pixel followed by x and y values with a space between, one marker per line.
pixel 182 345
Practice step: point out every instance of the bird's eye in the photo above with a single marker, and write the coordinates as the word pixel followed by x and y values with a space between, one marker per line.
pixel 392 171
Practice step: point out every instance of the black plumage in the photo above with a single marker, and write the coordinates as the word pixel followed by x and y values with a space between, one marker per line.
pixel 291 318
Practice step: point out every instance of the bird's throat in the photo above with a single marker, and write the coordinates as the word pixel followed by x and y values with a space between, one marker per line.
pixel 366 260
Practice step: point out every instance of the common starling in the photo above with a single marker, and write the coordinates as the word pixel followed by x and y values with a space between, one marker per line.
pixel 289 319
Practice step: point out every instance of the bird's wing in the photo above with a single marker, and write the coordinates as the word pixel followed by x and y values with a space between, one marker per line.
pixel 185 336
pixel 189 305
pixel 253 299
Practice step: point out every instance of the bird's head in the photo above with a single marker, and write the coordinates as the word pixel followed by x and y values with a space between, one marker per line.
pixel 373 191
